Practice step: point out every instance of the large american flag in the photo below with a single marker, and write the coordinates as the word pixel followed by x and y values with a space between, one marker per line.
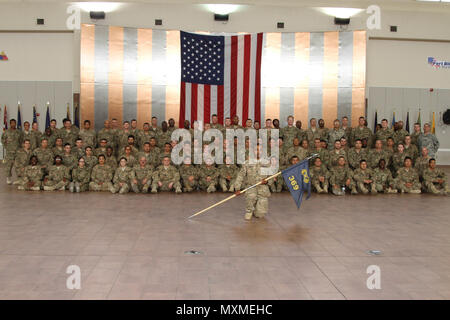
pixel 220 75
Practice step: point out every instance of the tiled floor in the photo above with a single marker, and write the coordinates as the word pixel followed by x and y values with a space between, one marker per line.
pixel 132 247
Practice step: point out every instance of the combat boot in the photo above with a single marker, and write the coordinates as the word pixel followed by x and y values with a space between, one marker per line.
pixel 16 182
pixel 20 188
pixel 135 188
pixel 112 189
pixel 211 189
pixel 48 188
pixel 71 187
pixel 248 216
pixel 318 188
pixel 325 189
pixel 178 190
pixel 145 189
pixel 77 187
pixel 8 180
pixel 415 191
pixel 434 190
pixel 390 190
pixel 362 188
pixel 354 191
pixel 35 188
pixel 224 187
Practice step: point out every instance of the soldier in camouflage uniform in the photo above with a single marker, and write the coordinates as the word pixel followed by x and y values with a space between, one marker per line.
pixel 429 140
pixel 363 177
pixel 68 159
pixel 123 177
pixel 145 135
pixel 44 155
pixel 319 176
pixel 143 176
pixel 289 132
pixel 101 176
pixel 110 158
pixel 36 136
pixel 398 159
pixel 301 133
pixel 378 153
pixel 228 173
pixel 102 147
pixel 108 134
pixel 323 131
pixel 32 176
pixel 22 160
pixel 58 150
pixel 88 135
pixel 58 176
pixel 335 134
pixel 163 135
pixel 27 134
pixel 347 129
pixel 78 150
pixel 341 178
pixel 422 162
pixel 400 133
pixel 435 180
pixel 81 176
pixel 131 160
pixel 336 153
pixel 167 152
pixel 408 178
pixel 152 157
pixel 208 176
pixel 51 138
pixel 296 150
pixel 134 129
pixel 384 132
pixel 382 178
pixel 122 137
pixel 410 148
pixel 356 154
pixel 11 143
pixel 189 175
pixel 68 133
pixel 166 177
pixel 257 198
pixel 89 158
pixel 313 132
pixel 415 135
pixel 324 154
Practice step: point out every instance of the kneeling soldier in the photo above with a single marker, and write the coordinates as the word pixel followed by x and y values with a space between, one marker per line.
pixel 208 176
pixel 122 178
pixel 434 179
pixel 166 177
pixel 189 175
pixel 382 178
pixel 228 173
pixel 58 176
pixel 101 176
pixel 143 176
pixel 32 176
pixel 342 178
pixel 408 178
pixel 81 176
pixel 319 176
pixel 363 178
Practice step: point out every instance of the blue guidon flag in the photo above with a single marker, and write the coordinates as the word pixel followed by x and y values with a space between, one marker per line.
pixel 298 180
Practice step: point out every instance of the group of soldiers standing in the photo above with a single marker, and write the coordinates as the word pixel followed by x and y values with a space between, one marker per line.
pixel 124 159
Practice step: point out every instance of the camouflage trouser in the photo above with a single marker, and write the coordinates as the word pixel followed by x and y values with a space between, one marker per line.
pixel 55 185
pixel 257 201
pixel 338 191
pixel 189 186
pixel 227 185
pixel 381 187
pixel 141 187
pixel 9 162
pixel 318 185
pixel 83 186
pixel 165 186
pixel 277 185
pixel 24 186
pixel 105 186
pixel 208 186
pixel 414 189
pixel 365 188
pixel 435 188
pixel 125 188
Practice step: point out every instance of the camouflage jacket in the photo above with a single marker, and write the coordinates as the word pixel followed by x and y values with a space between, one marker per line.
pixel 433 175
pixel 315 173
pixel 166 174
pixel 45 156
pixel 58 173
pixel 383 177
pixel 339 175
pixel 22 158
pixel 407 175
pixel 101 173
pixel 11 139
pixel 142 173
pixel 360 175
pixel 89 137
pixel 123 174
pixel 81 175
pixel 355 157
pixel 33 174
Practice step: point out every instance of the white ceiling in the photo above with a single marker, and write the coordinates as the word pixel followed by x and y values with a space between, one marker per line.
pixel 403 5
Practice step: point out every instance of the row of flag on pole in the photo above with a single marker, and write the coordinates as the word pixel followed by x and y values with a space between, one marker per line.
pixel 419 120
pixel 36 115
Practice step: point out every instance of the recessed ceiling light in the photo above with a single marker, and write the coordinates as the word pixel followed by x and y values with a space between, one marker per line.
pixel 222 8
pixel 344 13
pixel 99 6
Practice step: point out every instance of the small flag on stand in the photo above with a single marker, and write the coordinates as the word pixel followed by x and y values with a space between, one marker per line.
pixel 47 116
pixel 393 120
pixel 68 112
pixel 34 114
pixel 407 121
pixel 19 117
pixel 5 119
pixel 376 122
pixel 433 125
